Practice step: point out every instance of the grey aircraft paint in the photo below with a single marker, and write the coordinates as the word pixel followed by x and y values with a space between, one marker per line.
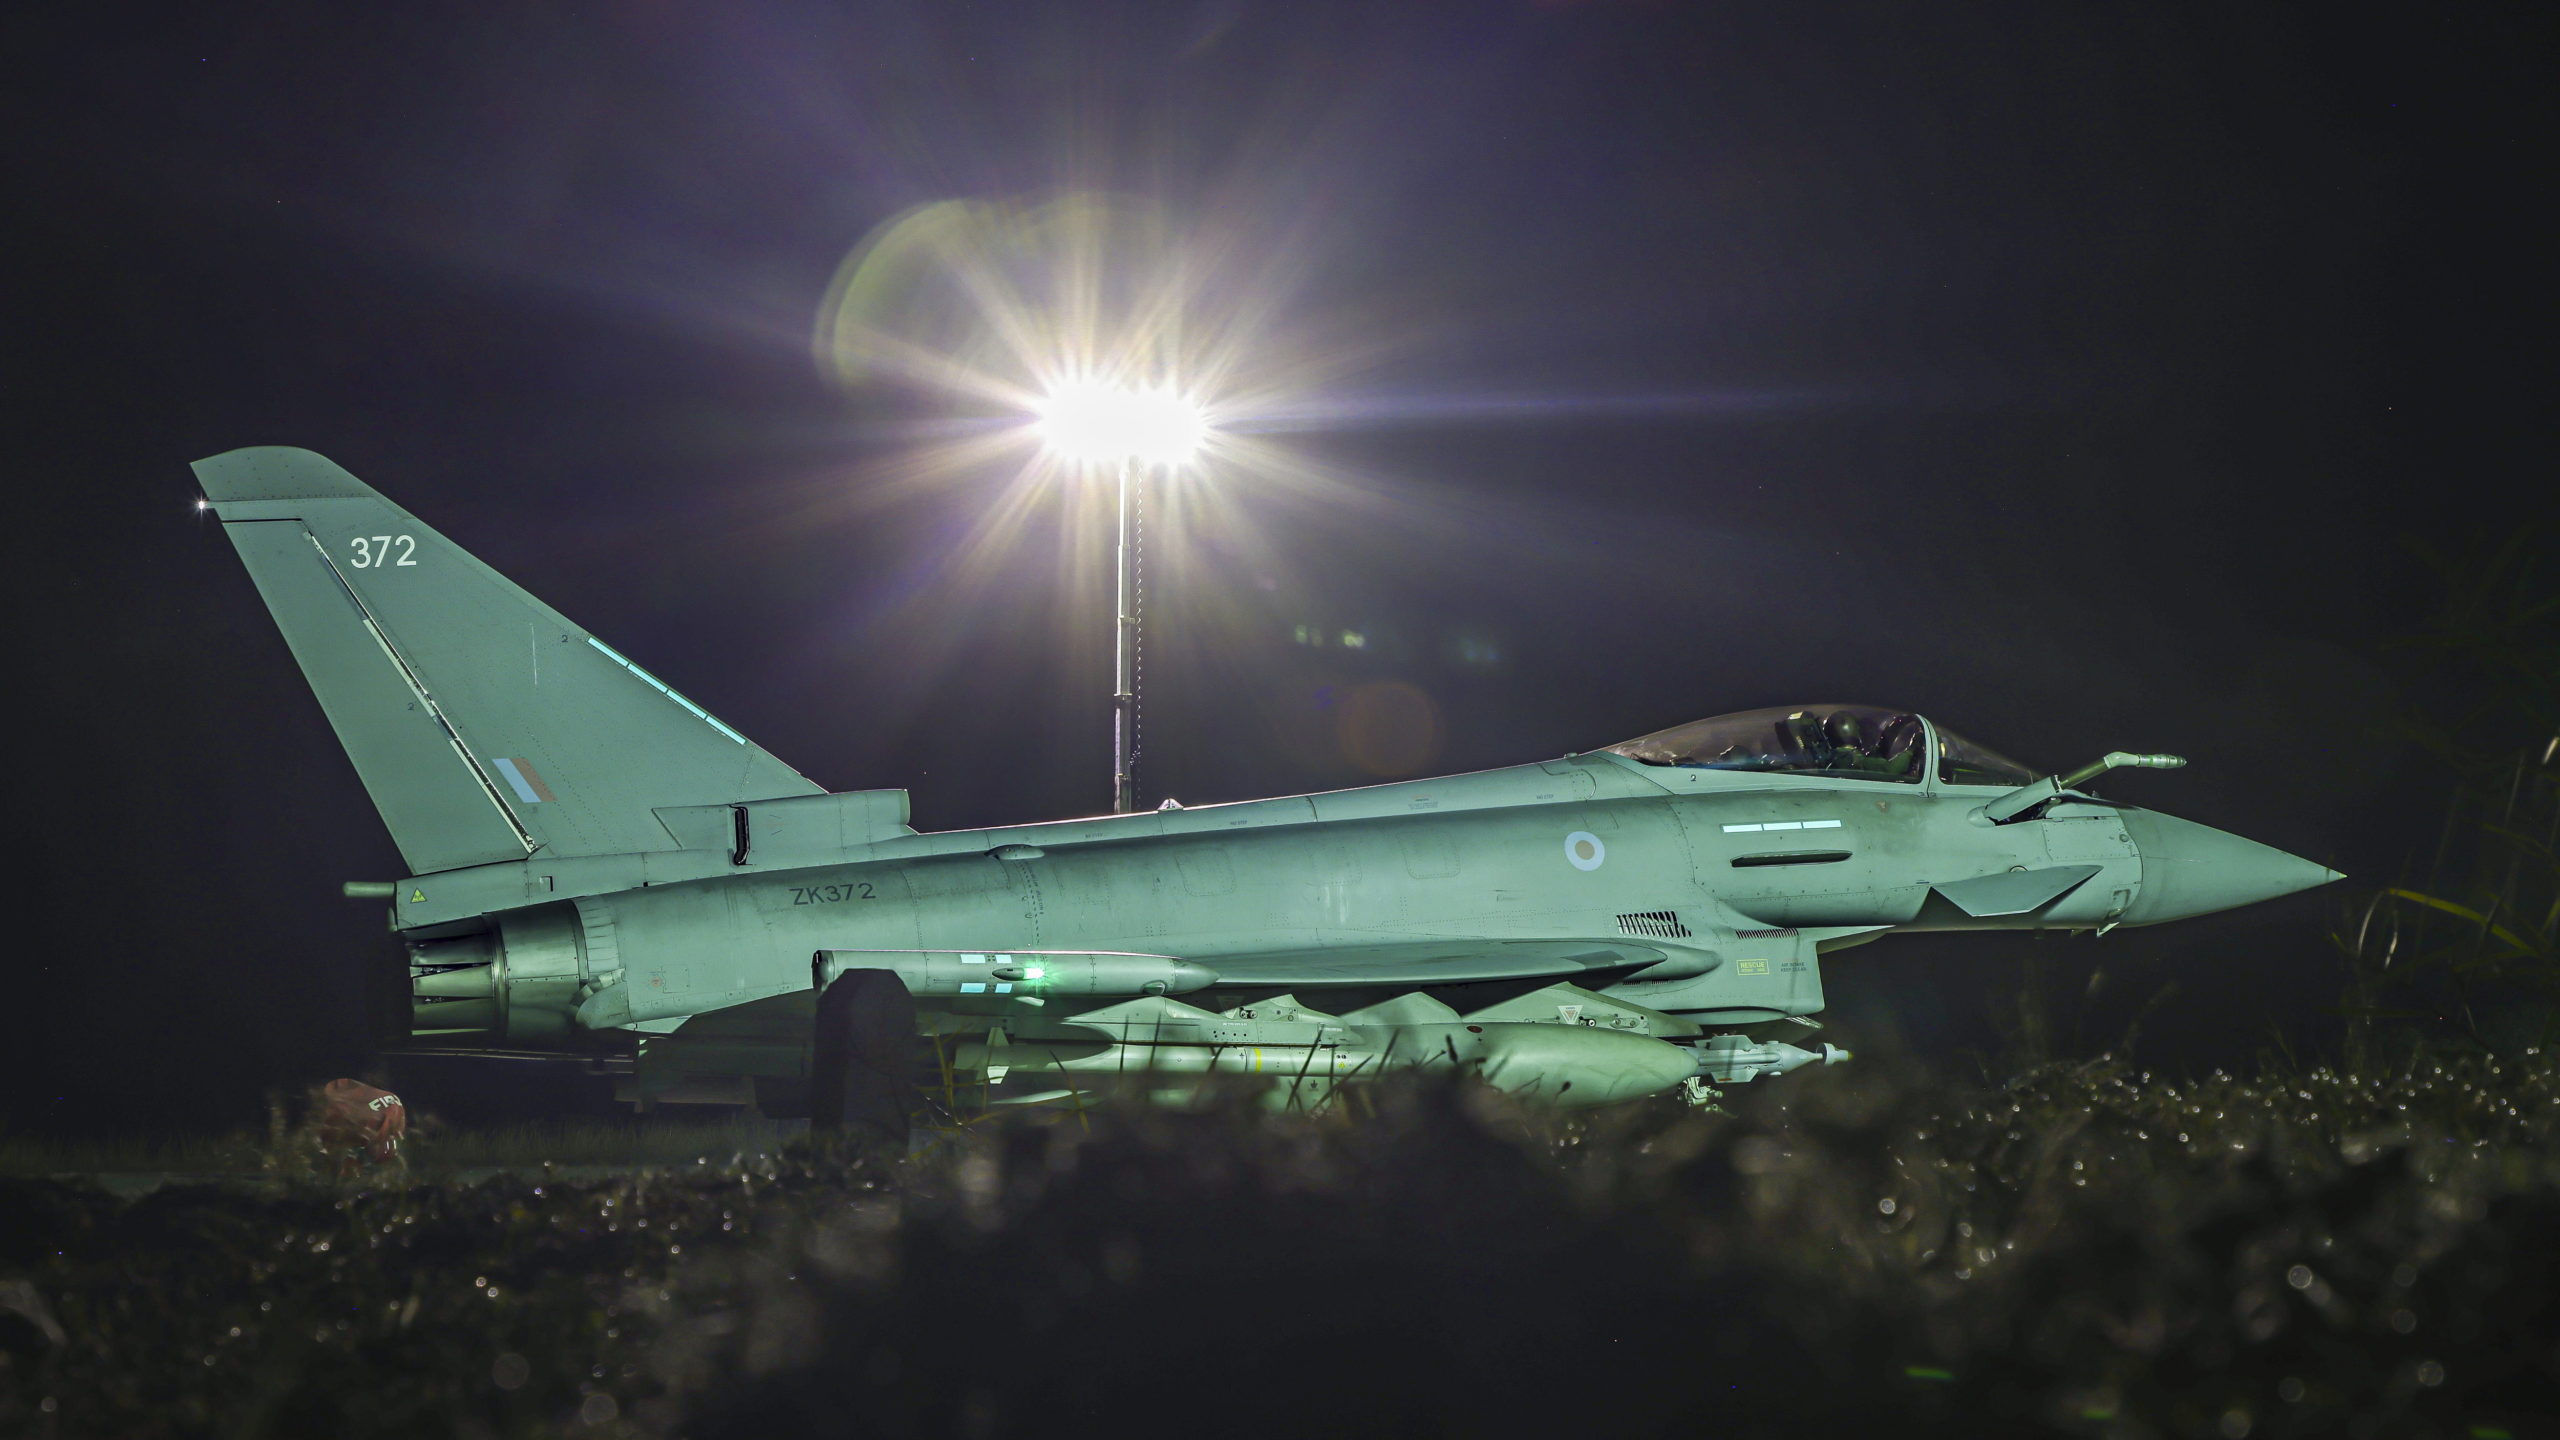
pixel 596 855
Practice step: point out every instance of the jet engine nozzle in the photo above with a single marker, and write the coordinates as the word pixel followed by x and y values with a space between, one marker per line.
pixel 522 980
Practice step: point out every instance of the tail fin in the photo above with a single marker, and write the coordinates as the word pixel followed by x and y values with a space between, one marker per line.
pixel 484 725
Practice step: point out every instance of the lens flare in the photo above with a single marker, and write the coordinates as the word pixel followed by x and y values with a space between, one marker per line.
pixel 1095 423
pixel 996 350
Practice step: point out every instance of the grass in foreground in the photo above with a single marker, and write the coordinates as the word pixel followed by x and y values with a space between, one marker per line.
pixel 430 1155
pixel 2086 1251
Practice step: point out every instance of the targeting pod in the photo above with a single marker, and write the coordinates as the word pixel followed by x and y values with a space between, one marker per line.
pixel 1027 973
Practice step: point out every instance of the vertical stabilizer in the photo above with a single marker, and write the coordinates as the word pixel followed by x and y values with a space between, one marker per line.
pixel 484 724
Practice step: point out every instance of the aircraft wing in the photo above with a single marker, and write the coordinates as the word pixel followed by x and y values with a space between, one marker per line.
pixel 1415 964
pixel 1432 962
pixel 1412 963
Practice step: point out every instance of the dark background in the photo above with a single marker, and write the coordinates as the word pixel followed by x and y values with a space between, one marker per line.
pixel 2077 375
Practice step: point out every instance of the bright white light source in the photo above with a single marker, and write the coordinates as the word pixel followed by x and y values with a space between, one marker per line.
pixel 1092 422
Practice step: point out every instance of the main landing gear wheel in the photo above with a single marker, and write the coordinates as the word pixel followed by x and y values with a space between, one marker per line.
pixel 859 1066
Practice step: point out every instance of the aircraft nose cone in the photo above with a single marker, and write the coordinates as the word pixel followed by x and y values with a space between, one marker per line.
pixel 2190 869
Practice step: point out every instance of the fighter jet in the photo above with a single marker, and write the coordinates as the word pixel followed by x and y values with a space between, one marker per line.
pixel 599 864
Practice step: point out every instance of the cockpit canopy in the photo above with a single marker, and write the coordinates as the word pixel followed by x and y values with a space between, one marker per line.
pixel 1848 742
pixel 1962 762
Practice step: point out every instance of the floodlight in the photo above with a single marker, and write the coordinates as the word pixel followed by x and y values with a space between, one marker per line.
pixel 1095 423
pixel 1127 428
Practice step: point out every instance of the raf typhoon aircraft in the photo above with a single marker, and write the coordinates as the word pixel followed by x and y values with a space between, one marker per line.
pixel 600 864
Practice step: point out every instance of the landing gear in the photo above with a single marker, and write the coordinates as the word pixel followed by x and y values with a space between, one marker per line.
pixel 860 1064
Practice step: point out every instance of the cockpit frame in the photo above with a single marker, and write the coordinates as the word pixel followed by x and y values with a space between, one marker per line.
pixel 1790 745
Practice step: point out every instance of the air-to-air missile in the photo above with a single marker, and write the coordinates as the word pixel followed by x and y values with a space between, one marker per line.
pixel 598 864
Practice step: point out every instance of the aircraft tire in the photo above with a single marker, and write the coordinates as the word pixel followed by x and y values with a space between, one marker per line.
pixel 861 1056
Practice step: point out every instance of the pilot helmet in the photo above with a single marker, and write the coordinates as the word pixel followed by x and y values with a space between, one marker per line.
pixel 1898 735
pixel 1845 730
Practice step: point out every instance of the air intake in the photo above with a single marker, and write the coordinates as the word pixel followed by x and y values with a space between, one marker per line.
pixel 1658 924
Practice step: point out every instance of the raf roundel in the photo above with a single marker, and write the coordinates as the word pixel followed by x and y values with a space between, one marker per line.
pixel 1584 850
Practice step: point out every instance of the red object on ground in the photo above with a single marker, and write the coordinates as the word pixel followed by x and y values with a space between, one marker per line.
pixel 357 1124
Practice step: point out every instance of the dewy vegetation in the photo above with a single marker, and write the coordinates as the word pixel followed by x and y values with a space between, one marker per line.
pixel 2472 935
pixel 2086 1250
pixel 282 1153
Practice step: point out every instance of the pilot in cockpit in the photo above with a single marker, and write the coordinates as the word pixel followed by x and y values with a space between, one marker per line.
pixel 1892 750
pixel 1864 741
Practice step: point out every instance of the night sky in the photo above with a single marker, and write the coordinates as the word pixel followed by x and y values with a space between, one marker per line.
pixel 2077 375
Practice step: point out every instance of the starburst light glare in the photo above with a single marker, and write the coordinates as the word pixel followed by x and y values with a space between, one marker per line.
pixel 1095 423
